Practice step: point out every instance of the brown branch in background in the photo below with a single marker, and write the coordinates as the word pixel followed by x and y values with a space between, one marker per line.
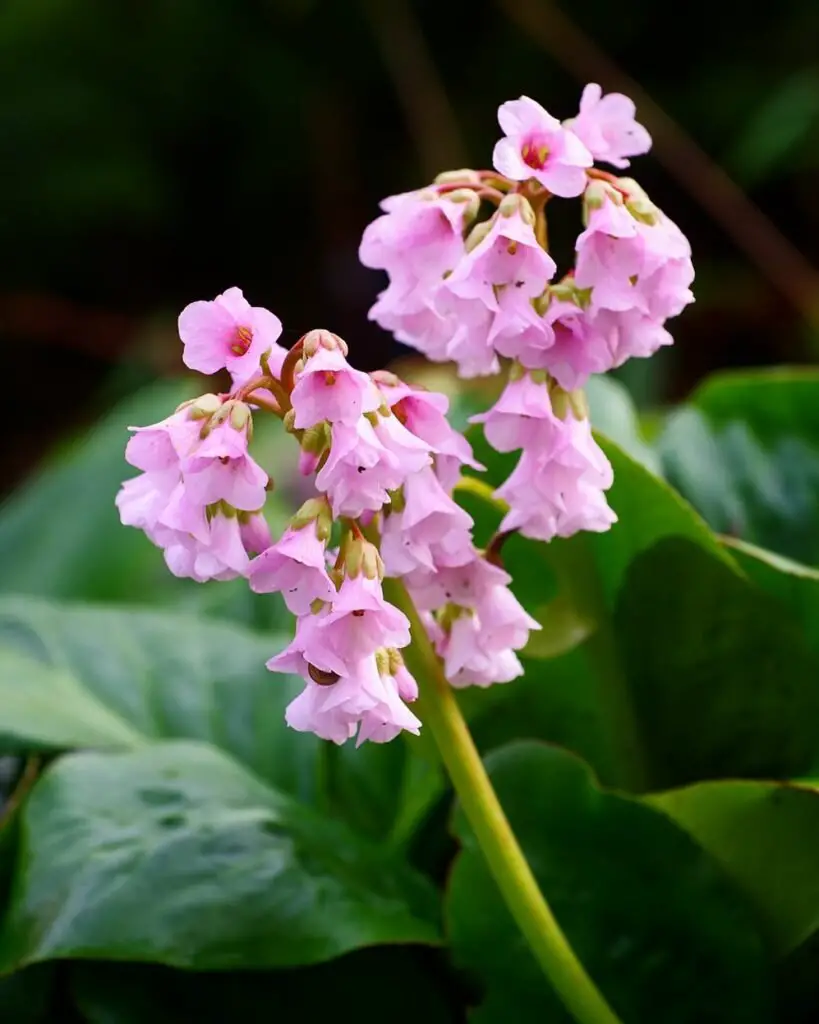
pixel 761 241
pixel 420 90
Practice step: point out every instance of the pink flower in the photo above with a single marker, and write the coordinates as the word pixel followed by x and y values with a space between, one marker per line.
pixel 142 500
pixel 460 584
pixel 423 413
pixel 369 691
pixel 469 661
pixel 254 531
pixel 521 418
pixel 431 531
pixel 411 314
pixel 162 445
pixel 295 567
pixel 363 700
pixel 216 552
pixel 607 126
pixel 478 637
pixel 418 238
pixel 578 349
pixel 328 388
pixel 630 264
pixel 520 332
pixel 227 332
pixel 610 257
pixel 359 622
pixel 508 257
pixel 220 468
pixel 538 146
pixel 558 492
pixel 365 463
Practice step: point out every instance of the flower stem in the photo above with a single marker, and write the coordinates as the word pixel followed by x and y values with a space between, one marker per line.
pixel 439 710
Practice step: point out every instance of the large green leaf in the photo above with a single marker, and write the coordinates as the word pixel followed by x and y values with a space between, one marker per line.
pixel 793 585
pixel 91 676
pixel 658 924
pixel 766 836
pixel 613 414
pixel 60 534
pixel 721 680
pixel 746 453
pixel 175 854
pixel 368 979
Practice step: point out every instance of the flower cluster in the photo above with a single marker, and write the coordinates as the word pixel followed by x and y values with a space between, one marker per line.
pixel 470 280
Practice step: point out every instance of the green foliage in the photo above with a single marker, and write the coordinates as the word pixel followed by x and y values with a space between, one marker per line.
pixel 654 920
pixel 170 821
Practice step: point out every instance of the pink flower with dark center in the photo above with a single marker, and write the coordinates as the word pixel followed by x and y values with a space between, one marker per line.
pixel 328 388
pixel 538 146
pixel 227 332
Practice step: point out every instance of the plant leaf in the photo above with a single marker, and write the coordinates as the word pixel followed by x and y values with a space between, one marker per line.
pixel 175 854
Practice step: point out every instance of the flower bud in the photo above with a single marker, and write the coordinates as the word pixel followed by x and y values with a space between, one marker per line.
pixel 314 510
pixel 514 205
pixel 465 175
pixel 638 204
pixel 316 439
pixel 314 340
pixel 477 235
pixel 203 407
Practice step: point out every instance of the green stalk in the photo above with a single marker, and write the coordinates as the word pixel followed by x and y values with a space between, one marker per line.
pixel 439 711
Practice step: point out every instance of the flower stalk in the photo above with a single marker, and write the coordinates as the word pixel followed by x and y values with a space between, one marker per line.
pixel 439 711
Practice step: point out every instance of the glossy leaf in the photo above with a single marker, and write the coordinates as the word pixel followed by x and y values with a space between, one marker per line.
pixel 746 452
pixel 765 835
pixel 175 854
pixel 655 920
pixel 721 680
pixel 89 675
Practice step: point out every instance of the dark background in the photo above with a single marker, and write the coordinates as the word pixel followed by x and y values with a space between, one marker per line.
pixel 159 151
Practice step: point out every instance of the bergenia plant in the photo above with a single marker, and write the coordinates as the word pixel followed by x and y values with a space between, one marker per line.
pixel 390 594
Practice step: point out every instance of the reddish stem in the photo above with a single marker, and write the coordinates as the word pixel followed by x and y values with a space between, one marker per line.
pixel 289 365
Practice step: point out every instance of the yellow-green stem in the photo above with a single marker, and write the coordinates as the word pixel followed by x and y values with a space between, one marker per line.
pixel 439 712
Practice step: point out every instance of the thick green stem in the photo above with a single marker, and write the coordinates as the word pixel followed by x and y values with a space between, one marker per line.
pixel 439 711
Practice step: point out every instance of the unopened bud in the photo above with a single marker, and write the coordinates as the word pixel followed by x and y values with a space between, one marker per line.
pixel 317 511
pixel 371 564
pixel 289 421
pixel 316 439
pixel 470 199
pixel 477 234
pixel 386 378
pixel 638 204
pixel 579 404
pixel 240 416
pixel 514 205
pixel 466 175
pixel 203 407
pixel 314 340
pixel 382 661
